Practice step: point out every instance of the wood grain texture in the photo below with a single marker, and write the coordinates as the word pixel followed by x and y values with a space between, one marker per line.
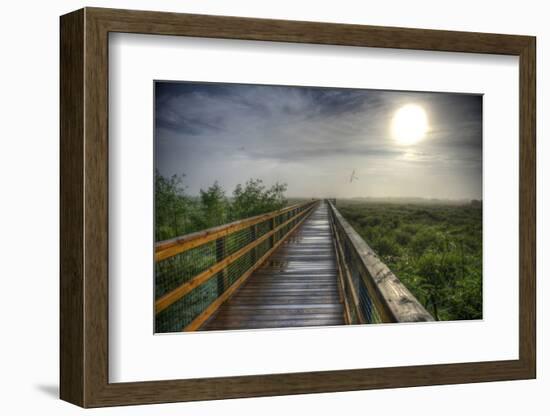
pixel 71 213
pixel 84 203
pixel 527 209
pixel 226 27
pixel 96 215
pixel 300 275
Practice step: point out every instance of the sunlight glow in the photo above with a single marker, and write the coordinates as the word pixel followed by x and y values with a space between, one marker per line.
pixel 409 124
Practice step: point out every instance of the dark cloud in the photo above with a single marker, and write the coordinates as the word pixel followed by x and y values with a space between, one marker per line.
pixel 230 132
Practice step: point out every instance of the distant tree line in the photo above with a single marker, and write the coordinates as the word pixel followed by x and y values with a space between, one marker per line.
pixel 177 213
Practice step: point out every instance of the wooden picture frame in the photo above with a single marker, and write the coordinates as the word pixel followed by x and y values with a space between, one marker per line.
pixel 84 207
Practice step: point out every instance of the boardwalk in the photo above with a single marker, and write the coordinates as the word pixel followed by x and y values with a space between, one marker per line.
pixel 302 265
pixel 296 287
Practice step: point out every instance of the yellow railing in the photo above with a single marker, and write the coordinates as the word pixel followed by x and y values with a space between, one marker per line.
pixel 197 272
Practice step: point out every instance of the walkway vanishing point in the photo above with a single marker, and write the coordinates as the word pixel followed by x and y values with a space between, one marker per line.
pixel 301 266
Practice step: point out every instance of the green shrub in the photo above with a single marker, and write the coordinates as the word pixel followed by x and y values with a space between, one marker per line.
pixel 403 237
pixel 386 246
pixel 423 240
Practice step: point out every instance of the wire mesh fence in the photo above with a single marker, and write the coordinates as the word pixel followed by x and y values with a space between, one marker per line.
pixel 371 291
pixel 198 272
pixel 357 293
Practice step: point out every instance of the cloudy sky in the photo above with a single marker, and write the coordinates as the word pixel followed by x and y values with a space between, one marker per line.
pixel 313 138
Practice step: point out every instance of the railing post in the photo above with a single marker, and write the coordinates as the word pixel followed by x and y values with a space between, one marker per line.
pixel 272 238
pixel 253 236
pixel 222 275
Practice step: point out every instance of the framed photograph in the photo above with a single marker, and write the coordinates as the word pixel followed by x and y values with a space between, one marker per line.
pixel 255 207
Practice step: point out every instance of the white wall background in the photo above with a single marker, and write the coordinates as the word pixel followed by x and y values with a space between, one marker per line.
pixel 29 161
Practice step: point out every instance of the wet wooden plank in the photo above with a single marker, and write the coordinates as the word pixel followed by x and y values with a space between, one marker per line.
pixel 232 319
pixel 275 324
pixel 286 301
pixel 296 307
pixel 289 291
pixel 296 287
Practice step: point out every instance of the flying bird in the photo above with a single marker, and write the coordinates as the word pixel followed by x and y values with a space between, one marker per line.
pixel 353 176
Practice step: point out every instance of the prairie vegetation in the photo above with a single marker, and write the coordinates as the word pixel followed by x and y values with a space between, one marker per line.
pixel 434 248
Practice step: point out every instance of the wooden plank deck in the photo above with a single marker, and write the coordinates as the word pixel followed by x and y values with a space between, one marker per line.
pixel 296 287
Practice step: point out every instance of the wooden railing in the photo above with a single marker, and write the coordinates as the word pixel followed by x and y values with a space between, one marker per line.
pixel 197 272
pixel 372 293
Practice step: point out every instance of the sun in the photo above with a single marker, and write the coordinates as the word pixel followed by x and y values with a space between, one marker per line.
pixel 409 124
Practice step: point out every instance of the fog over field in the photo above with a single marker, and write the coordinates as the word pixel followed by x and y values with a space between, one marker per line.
pixel 322 142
